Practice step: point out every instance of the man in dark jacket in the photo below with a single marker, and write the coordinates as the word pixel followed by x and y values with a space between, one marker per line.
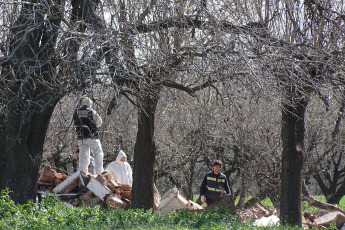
pixel 87 121
pixel 214 184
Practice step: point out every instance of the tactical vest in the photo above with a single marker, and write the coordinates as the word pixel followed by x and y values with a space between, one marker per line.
pixel 85 124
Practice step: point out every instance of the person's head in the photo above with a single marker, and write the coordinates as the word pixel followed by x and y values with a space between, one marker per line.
pixel 217 165
pixel 77 153
pixel 85 101
pixel 121 157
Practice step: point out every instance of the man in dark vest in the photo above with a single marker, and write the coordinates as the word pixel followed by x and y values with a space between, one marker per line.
pixel 214 184
pixel 87 121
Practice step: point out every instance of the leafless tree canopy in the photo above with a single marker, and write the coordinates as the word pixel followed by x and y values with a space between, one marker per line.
pixel 178 83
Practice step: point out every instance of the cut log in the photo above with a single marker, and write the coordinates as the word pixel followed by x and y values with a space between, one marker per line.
pixel 98 189
pixel 172 201
pixel 312 202
pixel 333 217
pixel 322 205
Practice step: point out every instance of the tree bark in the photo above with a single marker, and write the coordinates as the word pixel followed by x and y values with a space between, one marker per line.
pixel 145 151
pixel 24 148
pixel 292 163
pixel 2 143
pixel 30 95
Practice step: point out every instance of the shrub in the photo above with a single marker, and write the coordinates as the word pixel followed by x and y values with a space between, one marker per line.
pixel 53 214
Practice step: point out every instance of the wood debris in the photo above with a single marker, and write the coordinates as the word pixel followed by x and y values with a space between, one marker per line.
pixel 173 200
pixel 257 212
pixel 84 188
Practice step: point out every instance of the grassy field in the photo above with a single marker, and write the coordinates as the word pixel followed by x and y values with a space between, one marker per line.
pixel 52 214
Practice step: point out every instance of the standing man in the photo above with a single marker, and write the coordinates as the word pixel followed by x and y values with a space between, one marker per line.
pixel 214 184
pixel 87 121
pixel 120 169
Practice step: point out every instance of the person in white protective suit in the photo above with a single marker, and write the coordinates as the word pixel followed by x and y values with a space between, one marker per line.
pixel 91 167
pixel 120 169
pixel 87 121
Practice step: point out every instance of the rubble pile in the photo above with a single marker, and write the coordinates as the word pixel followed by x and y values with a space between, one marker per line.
pixel 49 179
pixel 84 188
pixel 256 212
pixel 262 216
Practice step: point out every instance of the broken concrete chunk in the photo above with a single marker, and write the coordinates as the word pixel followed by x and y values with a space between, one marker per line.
pixel 98 189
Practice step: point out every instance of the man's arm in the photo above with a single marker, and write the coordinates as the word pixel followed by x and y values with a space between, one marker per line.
pixel 97 118
pixel 226 186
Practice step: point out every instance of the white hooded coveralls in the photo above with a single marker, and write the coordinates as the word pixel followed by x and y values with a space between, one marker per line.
pixel 121 171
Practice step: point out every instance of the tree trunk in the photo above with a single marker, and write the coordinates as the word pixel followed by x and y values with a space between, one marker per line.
pixel 2 143
pixel 145 152
pixel 25 134
pixel 292 163
pixel 30 96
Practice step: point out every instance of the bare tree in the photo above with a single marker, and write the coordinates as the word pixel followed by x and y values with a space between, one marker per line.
pixel 325 146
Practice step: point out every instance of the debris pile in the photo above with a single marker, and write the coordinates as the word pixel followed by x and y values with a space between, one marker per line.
pixel 49 179
pixel 257 212
pixel 261 216
pixel 84 188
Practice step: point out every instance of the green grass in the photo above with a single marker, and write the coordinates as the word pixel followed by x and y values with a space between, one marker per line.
pixel 52 214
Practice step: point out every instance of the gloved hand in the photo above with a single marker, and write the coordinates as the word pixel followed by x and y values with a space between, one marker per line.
pixel 203 199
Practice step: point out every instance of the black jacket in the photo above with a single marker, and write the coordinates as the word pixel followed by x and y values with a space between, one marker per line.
pixel 213 185
pixel 85 124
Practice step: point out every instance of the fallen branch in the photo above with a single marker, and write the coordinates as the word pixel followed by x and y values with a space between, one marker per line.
pixel 312 202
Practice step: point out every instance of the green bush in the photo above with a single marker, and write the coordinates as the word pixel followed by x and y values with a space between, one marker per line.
pixel 52 214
